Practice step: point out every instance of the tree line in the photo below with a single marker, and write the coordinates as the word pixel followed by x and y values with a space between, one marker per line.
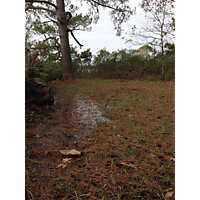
pixel 121 64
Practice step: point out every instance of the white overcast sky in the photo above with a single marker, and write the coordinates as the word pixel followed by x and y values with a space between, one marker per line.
pixel 103 34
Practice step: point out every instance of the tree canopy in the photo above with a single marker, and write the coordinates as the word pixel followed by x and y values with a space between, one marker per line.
pixel 62 17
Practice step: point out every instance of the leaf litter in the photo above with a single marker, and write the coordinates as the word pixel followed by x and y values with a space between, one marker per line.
pixel 128 156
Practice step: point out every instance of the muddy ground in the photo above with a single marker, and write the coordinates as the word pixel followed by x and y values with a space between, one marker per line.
pixel 113 164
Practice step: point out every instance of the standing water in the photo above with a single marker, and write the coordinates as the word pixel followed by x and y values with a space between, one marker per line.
pixel 68 122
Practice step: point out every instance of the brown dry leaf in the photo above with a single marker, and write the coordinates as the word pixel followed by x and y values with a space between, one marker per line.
pixel 72 152
pixel 172 159
pixel 168 195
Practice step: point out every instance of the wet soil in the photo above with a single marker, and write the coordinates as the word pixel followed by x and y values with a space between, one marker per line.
pixel 64 125
pixel 68 122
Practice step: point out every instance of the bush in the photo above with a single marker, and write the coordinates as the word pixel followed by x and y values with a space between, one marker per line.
pixel 48 71
pixel 133 67
pixel 116 65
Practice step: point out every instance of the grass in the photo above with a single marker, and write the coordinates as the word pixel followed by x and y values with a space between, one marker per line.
pixel 133 151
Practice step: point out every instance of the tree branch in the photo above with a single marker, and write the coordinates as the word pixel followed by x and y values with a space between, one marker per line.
pixel 58 47
pixel 45 22
pixel 70 16
pixel 41 8
pixel 50 19
pixel 75 38
pixel 107 6
pixel 38 1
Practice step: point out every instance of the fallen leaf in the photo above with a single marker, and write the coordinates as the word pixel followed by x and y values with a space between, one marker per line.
pixel 72 152
pixel 172 159
pixel 168 195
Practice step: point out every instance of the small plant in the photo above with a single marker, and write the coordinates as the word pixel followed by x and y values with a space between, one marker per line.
pixel 32 115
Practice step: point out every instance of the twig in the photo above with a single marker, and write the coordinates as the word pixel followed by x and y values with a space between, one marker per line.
pixel 92 169
pixel 30 193
pixel 76 195
pixel 84 195
pixel 161 192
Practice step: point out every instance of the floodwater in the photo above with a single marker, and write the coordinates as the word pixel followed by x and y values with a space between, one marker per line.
pixel 68 122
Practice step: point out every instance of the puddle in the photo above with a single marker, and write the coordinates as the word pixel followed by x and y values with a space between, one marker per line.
pixel 68 122
pixel 87 112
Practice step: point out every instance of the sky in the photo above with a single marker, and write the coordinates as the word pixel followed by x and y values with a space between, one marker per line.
pixel 103 34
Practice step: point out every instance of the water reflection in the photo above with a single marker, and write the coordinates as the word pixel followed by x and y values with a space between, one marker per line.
pixel 87 111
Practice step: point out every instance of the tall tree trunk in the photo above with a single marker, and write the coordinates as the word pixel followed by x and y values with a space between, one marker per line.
pixel 162 46
pixel 163 75
pixel 174 70
pixel 64 38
